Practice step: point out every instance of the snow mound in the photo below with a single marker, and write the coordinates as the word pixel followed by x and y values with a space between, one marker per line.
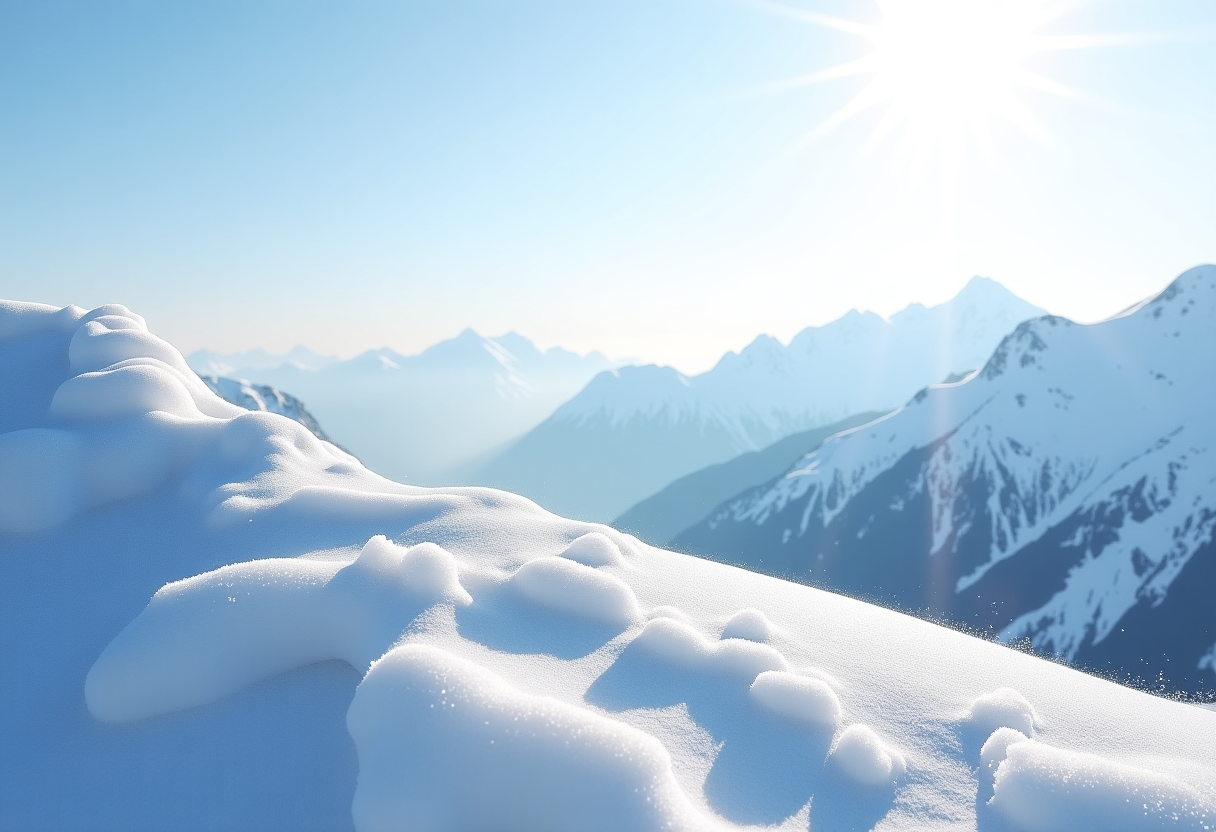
pixel 445 744
pixel 128 416
pixel 750 624
pixel 861 755
pixel 205 637
pixel 594 549
pixel 1040 788
pixel 1002 708
pixel 799 697
pixel 569 587
pixel 683 644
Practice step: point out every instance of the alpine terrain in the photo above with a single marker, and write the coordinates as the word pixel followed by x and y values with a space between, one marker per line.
pixel 246 394
pixel 634 430
pixel 210 619
pixel 1065 495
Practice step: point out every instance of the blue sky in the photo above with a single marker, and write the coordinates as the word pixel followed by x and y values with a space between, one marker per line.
pixel 592 174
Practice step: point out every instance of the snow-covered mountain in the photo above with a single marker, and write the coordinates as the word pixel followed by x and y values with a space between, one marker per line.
pixel 425 418
pixel 683 503
pixel 246 394
pixel 1066 495
pixel 210 619
pixel 632 431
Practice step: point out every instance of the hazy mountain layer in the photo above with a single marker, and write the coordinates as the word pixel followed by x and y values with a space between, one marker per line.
pixel 423 418
pixel 635 430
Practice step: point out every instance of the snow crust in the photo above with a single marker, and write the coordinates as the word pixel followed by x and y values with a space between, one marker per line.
pixel 1038 788
pixel 445 744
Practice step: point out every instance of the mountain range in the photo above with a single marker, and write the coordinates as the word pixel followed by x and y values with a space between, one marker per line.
pixel 1064 496
pixel 634 430
pixel 423 418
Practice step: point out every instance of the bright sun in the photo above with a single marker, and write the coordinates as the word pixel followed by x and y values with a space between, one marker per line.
pixel 945 69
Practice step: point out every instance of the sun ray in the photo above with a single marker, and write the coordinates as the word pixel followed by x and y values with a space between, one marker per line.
pixel 861 66
pixel 840 24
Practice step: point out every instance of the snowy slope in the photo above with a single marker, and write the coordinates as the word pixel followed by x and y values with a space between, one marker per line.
pixel 631 432
pixel 424 418
pixel 246 394
pixel 662 516
pixel 209 619
pixel 1066 495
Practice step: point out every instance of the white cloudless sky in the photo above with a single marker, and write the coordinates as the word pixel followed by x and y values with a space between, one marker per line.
pixel 597 175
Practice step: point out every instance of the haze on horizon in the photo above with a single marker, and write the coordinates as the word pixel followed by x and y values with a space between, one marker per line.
pixel 639 178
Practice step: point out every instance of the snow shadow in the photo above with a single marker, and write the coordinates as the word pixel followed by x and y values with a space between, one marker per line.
pixel 841 805
pixel 501 620
pixel 768 766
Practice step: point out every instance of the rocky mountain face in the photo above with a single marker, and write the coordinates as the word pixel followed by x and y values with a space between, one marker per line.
pixel 1064 496
pixel 263 397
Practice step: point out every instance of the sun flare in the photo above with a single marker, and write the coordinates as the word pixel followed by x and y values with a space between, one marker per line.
pixel 945 70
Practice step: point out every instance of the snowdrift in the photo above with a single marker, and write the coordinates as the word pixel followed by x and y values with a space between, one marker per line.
pixel 209 618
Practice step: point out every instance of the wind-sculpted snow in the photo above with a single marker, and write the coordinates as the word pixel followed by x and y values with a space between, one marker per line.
pixel 205 637
pixel 1002 708
pixel 1038 788
pixel 804 698
pixel 570 587
pixel 446 745
pixel 865 758
pixel 751 624
pixel 1045 498
pixel 594 549
pixel 496 666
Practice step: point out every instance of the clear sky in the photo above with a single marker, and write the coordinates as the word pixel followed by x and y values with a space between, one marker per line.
pixel 627 175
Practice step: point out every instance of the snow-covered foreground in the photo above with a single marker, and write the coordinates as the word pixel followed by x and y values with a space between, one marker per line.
pixel 211 619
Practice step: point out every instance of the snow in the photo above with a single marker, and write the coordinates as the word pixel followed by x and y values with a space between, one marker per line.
pixel 1038 788
pixel 594 549
pixel 800 697
pixel 678 643
pixel 566 586
pixel 1002 708
pixel 865 758
pixel 445 744
pixel 751 624
pixel 211 619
